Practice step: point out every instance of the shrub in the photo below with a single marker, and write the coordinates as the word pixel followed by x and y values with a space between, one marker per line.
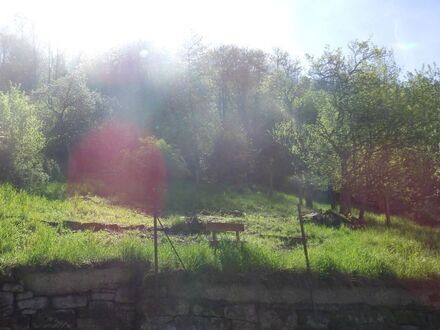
pixel 176 166
pixel 22 140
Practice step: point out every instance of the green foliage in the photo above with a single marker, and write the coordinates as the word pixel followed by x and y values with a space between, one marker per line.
pixel 69 109
pixel 21 140
pixel 20 59
pixel 231 115
pixel 52 190
pixel 231 158
pixel 176 166
pixel 237 115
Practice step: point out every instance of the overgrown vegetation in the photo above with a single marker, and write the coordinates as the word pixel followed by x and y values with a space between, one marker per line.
pixel 407 250
pixel 135 131
pixel 354 123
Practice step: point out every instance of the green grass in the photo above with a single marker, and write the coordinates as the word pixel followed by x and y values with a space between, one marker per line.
pixel 184 198
pixel 406 250
pixel 44 207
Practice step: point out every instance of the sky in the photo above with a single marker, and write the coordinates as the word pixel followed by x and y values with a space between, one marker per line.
pixel 409 28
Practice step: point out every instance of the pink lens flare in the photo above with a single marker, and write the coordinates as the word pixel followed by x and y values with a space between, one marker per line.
pixel 117 160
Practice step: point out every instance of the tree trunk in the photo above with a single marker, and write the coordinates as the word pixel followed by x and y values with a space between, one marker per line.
pixel 387 209
pixel 362 212
pixel 197 176
pixel 309 196
pixel 363 206
pixel 345 200
pixel 345 193
pixel 271 176
pixel 302 189
pixel 331 197
pixel 271 181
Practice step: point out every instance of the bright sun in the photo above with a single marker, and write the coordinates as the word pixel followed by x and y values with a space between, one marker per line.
pixel 92 26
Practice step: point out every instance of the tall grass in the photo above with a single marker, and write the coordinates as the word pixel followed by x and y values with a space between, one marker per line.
pixel 406 250
pixel 16 204
pixel 183 198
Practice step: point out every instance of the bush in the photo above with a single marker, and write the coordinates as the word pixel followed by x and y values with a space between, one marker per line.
pixel 176 166
pixel 22 141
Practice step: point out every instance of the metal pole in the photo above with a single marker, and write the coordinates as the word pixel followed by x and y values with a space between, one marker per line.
pixel 304 242
pixel 306 255
pixel 171 243
pixel 156 258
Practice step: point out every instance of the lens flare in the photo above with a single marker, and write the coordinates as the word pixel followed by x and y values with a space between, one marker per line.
pixel 118 161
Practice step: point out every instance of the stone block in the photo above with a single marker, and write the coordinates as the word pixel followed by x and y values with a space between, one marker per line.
pixel 79 280
pixel 243 325
pixel 60 319
pixel 101 308
pixel 16 322
pixel 206 310
pixel 214 323
pixel 24 295
pixel 269 319
pixel 6 304
pixel 309 320
pixel 408 327
pixel 13 287
pixel 126 307
pixel 33 303
pixel 92 323
pixel 246 312
pixel 407 317
pixel 159 322
pixel 108 296
pixel 70 301
pixel 28 311
pixel 126 319
pixel 292 321
pixel 125 295
pixel 175 307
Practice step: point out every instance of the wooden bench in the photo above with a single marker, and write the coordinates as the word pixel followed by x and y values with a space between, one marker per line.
pixel 222 227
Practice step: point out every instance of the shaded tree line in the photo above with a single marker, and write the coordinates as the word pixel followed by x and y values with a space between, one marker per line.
pixel 351 123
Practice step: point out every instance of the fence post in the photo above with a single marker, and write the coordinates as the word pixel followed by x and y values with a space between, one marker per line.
pixel 306 255
pixel 156 258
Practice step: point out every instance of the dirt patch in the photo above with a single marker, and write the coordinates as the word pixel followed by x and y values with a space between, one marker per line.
pixel 95 226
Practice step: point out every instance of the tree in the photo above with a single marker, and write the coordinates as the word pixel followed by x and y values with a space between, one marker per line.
pixel 69 109
pixel 19 62
pixel 195 109
pixel 346 81
pixel 290 88
pixel 21 140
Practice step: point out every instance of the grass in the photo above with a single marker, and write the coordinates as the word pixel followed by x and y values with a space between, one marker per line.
pixel 406 250
pixel 44 207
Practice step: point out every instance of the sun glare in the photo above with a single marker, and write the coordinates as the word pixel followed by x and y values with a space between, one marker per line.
pixel 92 26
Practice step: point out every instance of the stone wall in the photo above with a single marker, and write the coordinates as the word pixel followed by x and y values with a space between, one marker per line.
pixel 283 301
pixel 127 297
pixel 94 298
